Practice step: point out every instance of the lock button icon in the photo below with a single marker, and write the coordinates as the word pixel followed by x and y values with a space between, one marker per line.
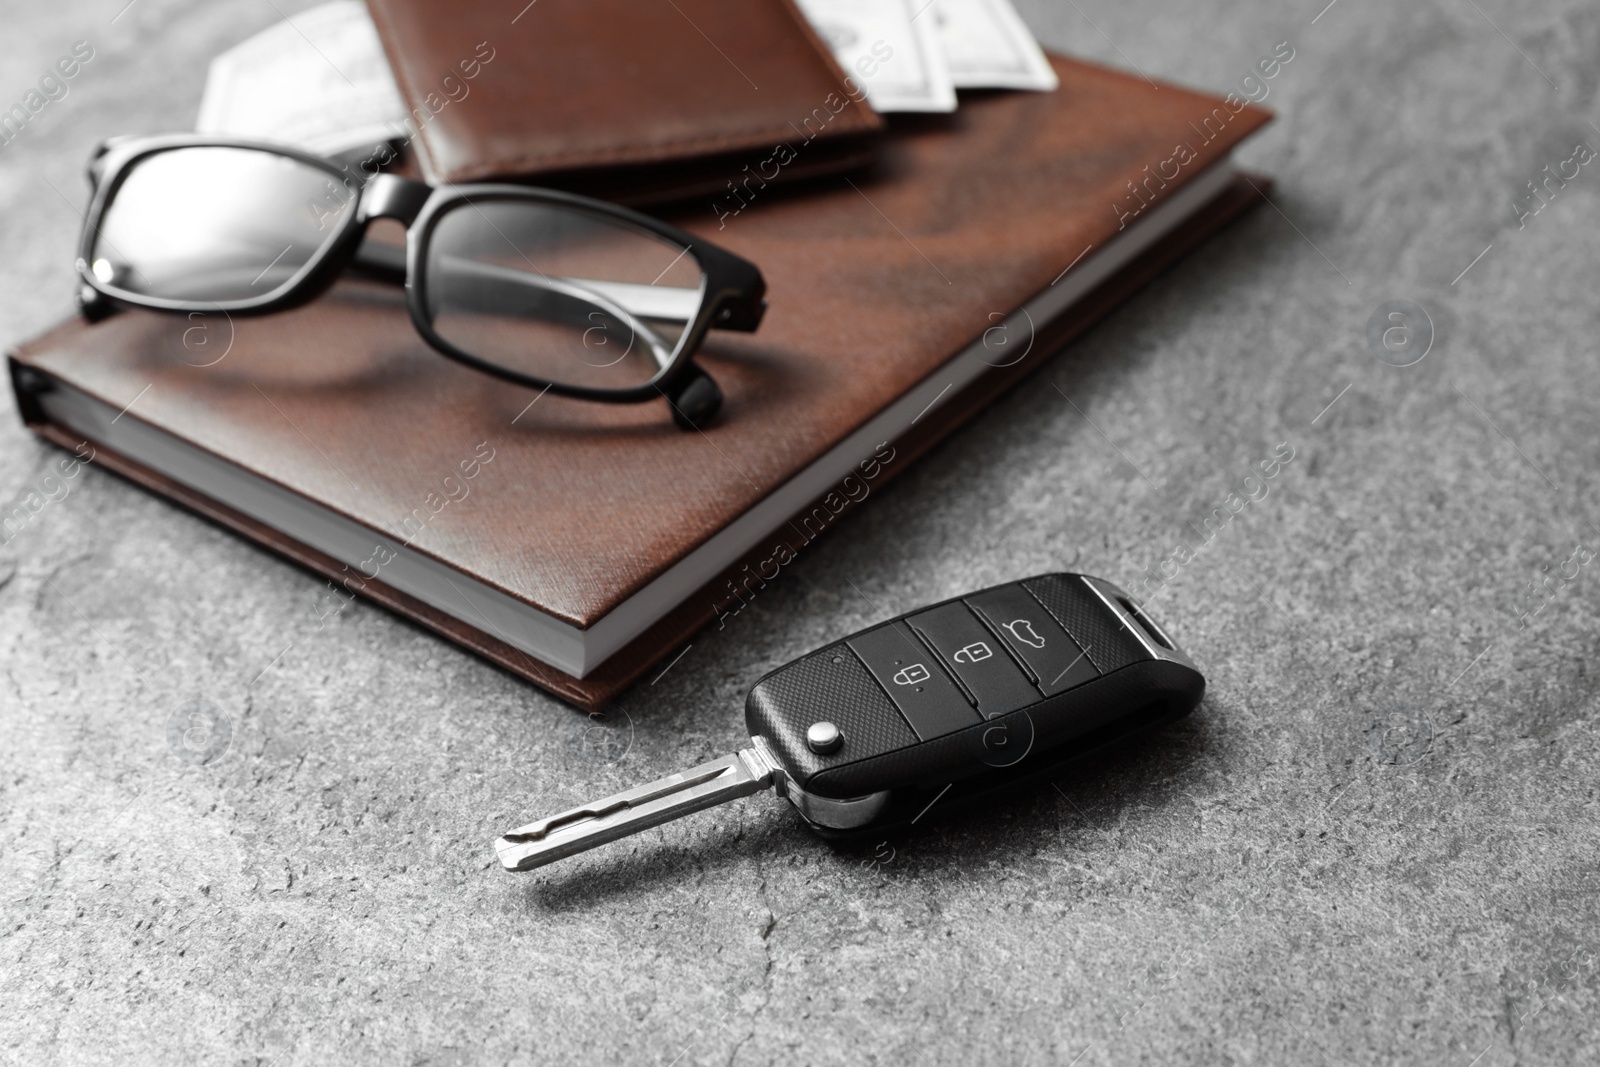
pixel 911 675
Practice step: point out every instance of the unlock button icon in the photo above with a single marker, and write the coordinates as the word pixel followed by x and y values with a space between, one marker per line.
pixel 976 652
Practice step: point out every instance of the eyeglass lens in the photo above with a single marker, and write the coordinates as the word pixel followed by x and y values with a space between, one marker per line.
pixel 558 293
pixel 216 224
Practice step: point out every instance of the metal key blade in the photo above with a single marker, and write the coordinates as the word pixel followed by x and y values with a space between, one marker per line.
pixel 672 797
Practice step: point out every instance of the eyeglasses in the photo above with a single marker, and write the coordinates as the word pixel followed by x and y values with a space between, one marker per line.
pixel 539 287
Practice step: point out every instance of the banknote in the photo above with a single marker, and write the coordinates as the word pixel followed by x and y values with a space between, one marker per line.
pixel 988 46
pixel 318 81
pixel 890 48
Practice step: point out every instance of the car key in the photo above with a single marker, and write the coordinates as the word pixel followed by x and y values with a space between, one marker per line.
pixel 951 703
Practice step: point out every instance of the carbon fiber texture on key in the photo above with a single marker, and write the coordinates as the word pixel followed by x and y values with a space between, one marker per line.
pixel 833 686
pixel 1102 636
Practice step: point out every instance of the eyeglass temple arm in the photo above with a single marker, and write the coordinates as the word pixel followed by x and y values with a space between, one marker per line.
pixel 383 262
pixel 694 399
pixel 578 290
pixel 387 262
pixel 402 199
pixel 92 170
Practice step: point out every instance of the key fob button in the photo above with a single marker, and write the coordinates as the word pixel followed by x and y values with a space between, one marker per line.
pixel 973 653
pixel 1105 639
pixel 914 680
pixel 1035 637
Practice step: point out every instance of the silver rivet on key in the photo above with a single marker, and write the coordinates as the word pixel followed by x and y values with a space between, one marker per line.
pixel 824 737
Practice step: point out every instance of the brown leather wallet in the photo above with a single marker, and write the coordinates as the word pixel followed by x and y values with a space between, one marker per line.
pixel 627 100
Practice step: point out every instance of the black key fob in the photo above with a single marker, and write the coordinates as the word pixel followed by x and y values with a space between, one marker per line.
pixel 952 704
pixel 965 699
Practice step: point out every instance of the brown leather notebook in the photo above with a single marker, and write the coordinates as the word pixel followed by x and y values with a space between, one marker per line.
pixel 578 543
pixel 619 99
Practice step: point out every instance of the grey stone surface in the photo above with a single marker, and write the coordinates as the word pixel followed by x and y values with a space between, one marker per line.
pixel 1375 842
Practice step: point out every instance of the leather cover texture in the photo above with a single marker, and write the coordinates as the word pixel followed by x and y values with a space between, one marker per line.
pixel 619 99
pixel 873 283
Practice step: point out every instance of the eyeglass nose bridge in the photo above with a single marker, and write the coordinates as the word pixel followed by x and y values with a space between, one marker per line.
pixel 389 196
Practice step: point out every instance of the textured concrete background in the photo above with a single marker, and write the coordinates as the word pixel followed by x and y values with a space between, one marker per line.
pixel 1376 841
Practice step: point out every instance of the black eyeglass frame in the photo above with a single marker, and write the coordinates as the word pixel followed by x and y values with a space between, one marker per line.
pixel 733 288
